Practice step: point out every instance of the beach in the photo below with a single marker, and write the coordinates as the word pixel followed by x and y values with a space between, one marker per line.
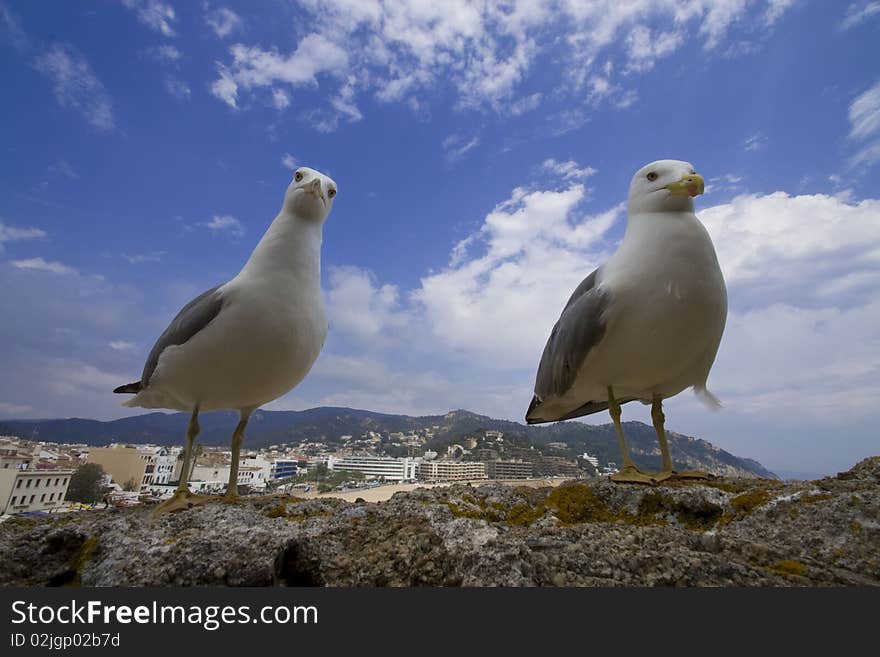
pixel 386 492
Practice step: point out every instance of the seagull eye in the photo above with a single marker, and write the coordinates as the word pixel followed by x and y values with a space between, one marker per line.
pixel 652 176
pixel 331 193
pixel 298 176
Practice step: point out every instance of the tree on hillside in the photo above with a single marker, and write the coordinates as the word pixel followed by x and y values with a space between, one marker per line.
pixel 85 484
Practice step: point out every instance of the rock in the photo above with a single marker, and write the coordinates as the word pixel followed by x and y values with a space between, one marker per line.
pixel 726 532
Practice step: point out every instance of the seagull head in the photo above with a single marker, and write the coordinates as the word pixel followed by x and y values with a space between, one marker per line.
pixel 664 186
pixel 310 194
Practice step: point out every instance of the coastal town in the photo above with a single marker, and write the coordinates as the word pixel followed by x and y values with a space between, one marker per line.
pixel 35 475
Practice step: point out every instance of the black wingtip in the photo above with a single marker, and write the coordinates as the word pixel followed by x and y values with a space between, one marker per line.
pixel 131 388
pixel 533 407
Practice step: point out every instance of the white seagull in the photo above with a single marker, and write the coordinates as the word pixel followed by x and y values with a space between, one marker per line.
pixel 646 324
pixel 248 341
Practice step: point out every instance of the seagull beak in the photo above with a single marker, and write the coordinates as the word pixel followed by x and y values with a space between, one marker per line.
pixel 315 188
pixel 691 184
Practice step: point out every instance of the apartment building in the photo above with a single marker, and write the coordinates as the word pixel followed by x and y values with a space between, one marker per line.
pixel 451 470
pixel 380 467
pixel 140 466
pixel 32 490
pixel 511 469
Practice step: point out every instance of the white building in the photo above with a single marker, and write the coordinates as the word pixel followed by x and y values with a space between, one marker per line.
pixel 32 490
pixel 452 470
pixel 164 460
pixel 141 466
pixel 592 460
pixel 208 478
pixel 380 467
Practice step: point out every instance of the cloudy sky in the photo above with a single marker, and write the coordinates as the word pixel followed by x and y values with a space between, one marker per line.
pixel 482 151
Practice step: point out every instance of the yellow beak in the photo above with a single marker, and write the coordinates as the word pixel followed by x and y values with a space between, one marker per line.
pixel 692 185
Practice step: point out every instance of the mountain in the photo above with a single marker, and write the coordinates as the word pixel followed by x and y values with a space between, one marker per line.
pixel 328 424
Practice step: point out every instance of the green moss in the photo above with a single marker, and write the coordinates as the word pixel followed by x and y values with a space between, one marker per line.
pixel 475 514
pixel 789 567
pixel 277 511
pixel 299 517
pixel 16 521
pixel 81 558
pixel 747 502
pixel 727 487
pixel 812 499
pixel 524 515
pixel 577 503
pixel 654 503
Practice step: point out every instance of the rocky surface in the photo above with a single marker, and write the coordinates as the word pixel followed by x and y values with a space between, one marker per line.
pixel 729 532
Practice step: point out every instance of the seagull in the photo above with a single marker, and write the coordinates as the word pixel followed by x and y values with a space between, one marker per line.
pixel 252 339
pixel 645 325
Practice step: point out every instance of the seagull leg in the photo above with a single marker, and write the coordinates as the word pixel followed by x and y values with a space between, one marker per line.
pixel 192 430
pixel 659 419
pixel 629 473
pixel 182 498
pixel 237 439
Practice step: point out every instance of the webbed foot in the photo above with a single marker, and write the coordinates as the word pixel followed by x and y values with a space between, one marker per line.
pixel 630 474
pixel 182 499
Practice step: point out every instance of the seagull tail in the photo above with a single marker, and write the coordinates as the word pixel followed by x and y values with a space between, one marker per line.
pixel 709 400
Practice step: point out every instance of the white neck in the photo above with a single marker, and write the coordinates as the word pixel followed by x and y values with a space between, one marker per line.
pixel 649 204
pixel 291 247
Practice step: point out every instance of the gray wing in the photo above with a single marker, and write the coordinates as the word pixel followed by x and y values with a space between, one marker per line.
pixel 191 319
pixel 580 328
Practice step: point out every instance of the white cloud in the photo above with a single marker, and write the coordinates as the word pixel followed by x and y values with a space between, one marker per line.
pixel 858 13
pixel 76 86
pixel 40 264
pixel 456 146
pixel 775 9
pixel 289 161
pixel 483 52
pixel 139 258
pixel 14 234
pixel 11 31
pixel 177 88
pixel 225 87
pixel 10 410
pixel 568 170
pixel 645 48
pixel 280 99
pixel 779 248
pixel 864 119
pixel 63 168
pixel 361 308
pixel 122 345
pixel 254 68
pixel 497 306
pixel 365 382
pixel 155 14
pixel 223 21
pixel 755 142
pixel 225 224
pixel 864 113
pixel 166 53
pixel 525 104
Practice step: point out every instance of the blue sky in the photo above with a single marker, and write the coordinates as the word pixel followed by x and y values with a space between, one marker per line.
pixel 482 152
